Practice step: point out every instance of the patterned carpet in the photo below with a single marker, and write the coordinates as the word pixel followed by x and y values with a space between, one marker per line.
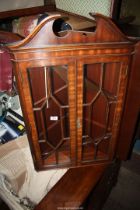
pixel 126 194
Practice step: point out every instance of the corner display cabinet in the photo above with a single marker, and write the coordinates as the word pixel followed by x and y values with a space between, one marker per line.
pixel 72 87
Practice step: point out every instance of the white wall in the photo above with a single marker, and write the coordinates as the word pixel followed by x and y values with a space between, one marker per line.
pixel 6 5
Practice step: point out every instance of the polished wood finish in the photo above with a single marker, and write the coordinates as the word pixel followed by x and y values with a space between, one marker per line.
pixel 74 187
pixel 132 109
pixel 99 194
pixel 80 78
pixel 27 11
pixel 106 33
pixel 85 188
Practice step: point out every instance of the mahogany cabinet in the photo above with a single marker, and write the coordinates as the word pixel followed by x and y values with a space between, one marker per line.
pixel 72 88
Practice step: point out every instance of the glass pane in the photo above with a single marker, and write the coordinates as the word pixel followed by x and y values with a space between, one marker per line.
pixel 49 91
pixel 99 101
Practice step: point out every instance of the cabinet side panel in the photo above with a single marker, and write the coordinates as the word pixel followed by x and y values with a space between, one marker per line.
pixel 131 109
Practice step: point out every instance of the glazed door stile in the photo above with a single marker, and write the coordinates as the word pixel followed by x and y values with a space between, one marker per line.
pixel 27 109
pixel 79 113
pixel 72 111
pixel 50 91
pixel 123 80
pixel 104 84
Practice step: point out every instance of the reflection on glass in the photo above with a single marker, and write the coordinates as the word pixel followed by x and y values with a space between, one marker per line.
pixel 99 101
pixel 49 92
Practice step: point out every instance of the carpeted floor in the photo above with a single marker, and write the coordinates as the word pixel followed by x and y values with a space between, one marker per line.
pixel 126 194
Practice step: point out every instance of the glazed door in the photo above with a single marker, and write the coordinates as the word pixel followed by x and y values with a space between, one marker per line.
pixel 103 84
pixel 51 110
pixel 74 111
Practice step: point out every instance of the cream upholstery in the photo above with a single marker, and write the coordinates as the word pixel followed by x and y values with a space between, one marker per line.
pixel 21 187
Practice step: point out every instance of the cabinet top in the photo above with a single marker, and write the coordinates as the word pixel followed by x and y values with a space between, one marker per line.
pixel 106 32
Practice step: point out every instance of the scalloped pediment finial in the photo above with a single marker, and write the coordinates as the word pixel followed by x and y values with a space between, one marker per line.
pixel 43 35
